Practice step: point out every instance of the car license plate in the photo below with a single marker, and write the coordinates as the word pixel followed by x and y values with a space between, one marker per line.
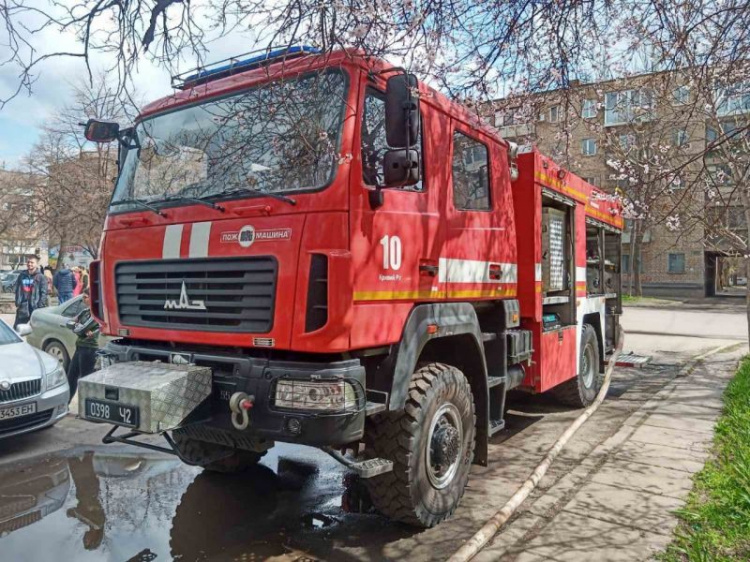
pixel 17 411
pixel 100 410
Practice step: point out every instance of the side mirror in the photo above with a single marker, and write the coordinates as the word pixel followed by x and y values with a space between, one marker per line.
pixel 101 131
pixel 23 330
pixel 401 111
pixel 401 167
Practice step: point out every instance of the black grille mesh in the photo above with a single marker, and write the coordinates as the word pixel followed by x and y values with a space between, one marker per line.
pixel 220 295
pixel 20 390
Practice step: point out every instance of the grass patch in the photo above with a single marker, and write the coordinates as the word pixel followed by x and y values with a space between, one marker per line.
pixel 715 523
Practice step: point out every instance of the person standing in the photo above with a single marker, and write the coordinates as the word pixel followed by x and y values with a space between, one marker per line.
pixel 65 283
pixel 31 292
pixel 84 359
pixel 48 274
pixel 79 283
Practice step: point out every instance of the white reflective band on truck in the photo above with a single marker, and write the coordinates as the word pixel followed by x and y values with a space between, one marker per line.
pixel 199 236
pixel 474 271
pixel 172 240
pixel 580 274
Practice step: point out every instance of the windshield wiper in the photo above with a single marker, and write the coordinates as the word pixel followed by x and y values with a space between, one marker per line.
pixel 278 196
pixel 198 200
pixel 142 204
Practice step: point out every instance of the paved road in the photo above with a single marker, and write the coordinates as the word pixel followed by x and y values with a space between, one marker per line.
pixel 94 502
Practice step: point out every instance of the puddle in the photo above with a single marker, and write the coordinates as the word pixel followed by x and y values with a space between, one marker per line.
pixel 125 505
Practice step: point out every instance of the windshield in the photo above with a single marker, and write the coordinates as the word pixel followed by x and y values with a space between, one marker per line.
pixel 7 335
pixel 280 137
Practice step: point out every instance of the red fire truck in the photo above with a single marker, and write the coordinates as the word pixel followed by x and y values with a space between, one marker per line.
pixel 360 264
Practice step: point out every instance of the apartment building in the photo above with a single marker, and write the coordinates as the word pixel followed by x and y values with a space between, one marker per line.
pixel 20 233
pixel 649 137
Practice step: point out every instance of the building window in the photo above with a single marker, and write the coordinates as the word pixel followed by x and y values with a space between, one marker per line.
pixel 681 95
pixel 554 114
pixel 734 99
pixel 471 186
pixel 679 137
pixel 626 141
pixel 627 106
pixel 676 263
pixel 593 180
pixel 720 174
pixel 505 118
pixel 588 147
pixel 626 263
pixel 589 109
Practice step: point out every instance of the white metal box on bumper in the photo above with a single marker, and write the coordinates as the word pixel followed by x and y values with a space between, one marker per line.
pixel 151 397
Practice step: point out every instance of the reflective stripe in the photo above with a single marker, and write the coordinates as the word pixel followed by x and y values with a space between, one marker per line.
pixel 172 241
pixel 199 236
pixel 474 271
pixel 581 274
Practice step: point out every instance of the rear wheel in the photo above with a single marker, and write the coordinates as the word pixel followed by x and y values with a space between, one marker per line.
pixel 58 351
pixel 431 444
pixel 582 390
pixel 213 457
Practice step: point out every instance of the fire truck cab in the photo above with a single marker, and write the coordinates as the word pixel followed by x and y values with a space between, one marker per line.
pixel 355 263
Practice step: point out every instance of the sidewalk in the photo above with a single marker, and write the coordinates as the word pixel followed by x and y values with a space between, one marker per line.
pixel 618 503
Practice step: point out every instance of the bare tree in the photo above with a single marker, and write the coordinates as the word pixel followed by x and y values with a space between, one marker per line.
pixel 78 176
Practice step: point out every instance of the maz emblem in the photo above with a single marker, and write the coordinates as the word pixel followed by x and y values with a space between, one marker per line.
pixel 185 303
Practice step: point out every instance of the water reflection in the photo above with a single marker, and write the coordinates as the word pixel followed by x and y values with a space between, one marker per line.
pixel 126 505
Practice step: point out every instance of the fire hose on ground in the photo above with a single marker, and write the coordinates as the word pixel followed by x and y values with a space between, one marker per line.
pixel 482 537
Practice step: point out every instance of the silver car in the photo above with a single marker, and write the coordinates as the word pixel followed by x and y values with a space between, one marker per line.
pixel 33 386
pixel 50 333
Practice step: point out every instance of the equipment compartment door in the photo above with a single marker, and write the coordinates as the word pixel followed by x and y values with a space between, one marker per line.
pixel 557 357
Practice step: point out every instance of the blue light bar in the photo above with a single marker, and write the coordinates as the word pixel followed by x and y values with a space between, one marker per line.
pixel 235 66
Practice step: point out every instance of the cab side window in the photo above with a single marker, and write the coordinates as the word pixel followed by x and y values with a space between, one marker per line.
pixel 471 185
pixel 373 142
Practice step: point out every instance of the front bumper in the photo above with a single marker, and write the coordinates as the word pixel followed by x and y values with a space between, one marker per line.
pixel 52 402
pixel 257 377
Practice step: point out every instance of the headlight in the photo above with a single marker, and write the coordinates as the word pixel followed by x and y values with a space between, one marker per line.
pixel 334 396
pixel 56 377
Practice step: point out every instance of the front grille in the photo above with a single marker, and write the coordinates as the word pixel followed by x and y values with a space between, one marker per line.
pixel 21 390
pixel 220 295
pixel 24 422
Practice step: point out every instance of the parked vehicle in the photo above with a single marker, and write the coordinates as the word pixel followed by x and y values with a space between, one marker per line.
pixel 9 281
pixel 50 331
pixel 33 385
pixel 383 281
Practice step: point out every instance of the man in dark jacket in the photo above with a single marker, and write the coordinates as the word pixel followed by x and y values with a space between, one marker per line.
pixel 84 359
pixel 65 283
pixel 31 292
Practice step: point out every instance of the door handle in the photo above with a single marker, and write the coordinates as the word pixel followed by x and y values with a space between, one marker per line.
pixel 428 270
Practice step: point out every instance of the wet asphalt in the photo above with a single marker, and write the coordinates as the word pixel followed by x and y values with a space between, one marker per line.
pixel 120 503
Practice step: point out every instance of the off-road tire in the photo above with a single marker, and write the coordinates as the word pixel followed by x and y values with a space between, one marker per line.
pixel 581 390
pixel 407 494
pixel 203 454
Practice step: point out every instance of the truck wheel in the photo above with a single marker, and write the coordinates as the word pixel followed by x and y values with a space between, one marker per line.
pixel 431 444
pixel 213 457
pixel 582 390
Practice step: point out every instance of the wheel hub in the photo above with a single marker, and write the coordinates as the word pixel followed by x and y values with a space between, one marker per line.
pixel 444 444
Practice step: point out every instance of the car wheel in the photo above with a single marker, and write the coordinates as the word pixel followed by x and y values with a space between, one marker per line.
pixel 58 351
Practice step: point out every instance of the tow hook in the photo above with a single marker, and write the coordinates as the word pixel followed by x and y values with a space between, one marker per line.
pixel 240 403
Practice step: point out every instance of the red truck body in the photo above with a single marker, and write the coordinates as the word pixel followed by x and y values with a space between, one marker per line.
pixel 340 279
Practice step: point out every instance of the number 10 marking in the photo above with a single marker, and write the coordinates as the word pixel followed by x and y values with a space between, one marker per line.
pixel 391 252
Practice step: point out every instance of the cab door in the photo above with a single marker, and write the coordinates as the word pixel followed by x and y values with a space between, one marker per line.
pixel 396 246
pixel 479 258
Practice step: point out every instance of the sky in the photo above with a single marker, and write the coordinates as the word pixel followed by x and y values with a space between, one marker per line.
pixel 22 119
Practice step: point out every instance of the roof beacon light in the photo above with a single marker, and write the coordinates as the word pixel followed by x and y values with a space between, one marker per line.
pixel 234 65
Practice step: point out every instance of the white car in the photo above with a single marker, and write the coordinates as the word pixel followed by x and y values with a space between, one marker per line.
pixel 33 387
